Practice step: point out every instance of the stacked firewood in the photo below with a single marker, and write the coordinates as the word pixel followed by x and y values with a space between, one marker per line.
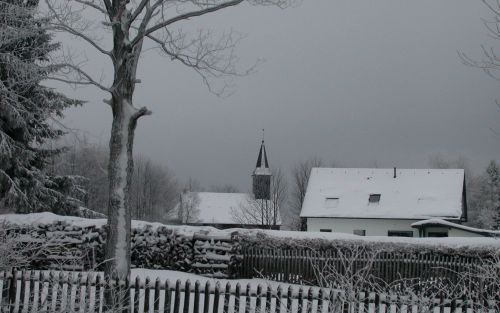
pixel 215 255
pixel 61 245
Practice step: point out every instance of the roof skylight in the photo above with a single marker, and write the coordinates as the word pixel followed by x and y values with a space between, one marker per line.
pixel 331 203
pixel 374 198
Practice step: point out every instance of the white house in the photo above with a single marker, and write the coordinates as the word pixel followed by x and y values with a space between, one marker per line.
pixel 386 202
pixel 229 210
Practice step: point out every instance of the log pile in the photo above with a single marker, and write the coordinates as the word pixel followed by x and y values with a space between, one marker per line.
pixel 61 245
pixel 216 255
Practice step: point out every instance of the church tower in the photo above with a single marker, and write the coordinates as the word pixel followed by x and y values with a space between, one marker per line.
pixel 262 176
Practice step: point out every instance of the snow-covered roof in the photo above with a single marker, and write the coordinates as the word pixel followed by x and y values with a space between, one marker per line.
pixel 223 208
pixel 440 222
pixel 411 194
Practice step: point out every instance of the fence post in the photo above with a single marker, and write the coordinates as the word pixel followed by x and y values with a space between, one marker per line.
pixel 187 293
pixel 147 286
pixel 237 298
pixel 309 300
pixel 320 300
pixel 247 299
pixel 216 297
pixel 196 304
pixel 22 291
pixel 177 296
pixel 300 300
pixel 227 296
pixel 206 300
pixel 258 299
pixel 166 300
pixel 268 299
pixel 12 290
pixel 289 300
pixel 137 290
pixel 156 305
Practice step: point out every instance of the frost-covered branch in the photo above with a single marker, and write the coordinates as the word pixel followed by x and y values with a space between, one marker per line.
pixel 65 19
pixel 186 16
pixel 490 61
pixel 82 77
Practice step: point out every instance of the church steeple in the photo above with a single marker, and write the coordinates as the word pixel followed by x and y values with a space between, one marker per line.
pixel 262 175
pixel 262 166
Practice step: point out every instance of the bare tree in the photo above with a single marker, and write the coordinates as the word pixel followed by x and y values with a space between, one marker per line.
pixel 300 179
pixel 352 271
pixel 261 211
pixel 440 161
pixel 227 188
pixel 132 23
pixel 193 184
pixel 154 191
pixel 87 160
pixel 189 210
pixel 490 62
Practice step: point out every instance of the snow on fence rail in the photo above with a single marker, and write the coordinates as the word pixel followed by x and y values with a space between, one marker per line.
pixel 301 266
pixel 74 292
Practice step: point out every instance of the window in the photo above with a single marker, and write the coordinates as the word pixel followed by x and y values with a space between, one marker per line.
pixel 400 233
pixel 325 230
pixel 374 198
pixel 437 234
pixel 359 232
pixel 331 203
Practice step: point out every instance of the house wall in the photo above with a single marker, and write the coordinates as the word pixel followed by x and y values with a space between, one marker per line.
pixel 373 227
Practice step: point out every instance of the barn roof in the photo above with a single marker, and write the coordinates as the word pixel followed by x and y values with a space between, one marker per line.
pixel 384 193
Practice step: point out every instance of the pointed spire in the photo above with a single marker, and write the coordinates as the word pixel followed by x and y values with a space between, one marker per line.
pixel 261 185
pixel 262 166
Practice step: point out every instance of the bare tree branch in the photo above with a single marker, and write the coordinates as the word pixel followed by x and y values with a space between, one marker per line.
pixel 86 79
pixel 64 26
pixel 184 17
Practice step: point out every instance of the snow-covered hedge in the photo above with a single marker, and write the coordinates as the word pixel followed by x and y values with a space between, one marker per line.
pixel 459 247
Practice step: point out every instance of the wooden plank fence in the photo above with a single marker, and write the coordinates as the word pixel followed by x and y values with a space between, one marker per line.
pixel 301 266
pixel 31 291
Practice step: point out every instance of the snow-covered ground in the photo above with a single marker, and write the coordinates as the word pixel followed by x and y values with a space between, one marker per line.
pixel 80 300
pixel 173 276
pixel 450 242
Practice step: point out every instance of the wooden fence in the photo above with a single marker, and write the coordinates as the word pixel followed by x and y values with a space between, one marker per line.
pixel 302 266
pixel 24 292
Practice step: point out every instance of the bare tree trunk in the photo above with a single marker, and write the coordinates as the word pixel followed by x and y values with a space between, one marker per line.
pixel 121 165
pixel 119 212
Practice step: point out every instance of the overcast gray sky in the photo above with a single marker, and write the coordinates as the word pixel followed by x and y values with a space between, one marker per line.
pixel 358 82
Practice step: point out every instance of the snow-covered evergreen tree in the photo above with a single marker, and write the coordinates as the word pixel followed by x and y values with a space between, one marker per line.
pixel 27 110
pixel 487 200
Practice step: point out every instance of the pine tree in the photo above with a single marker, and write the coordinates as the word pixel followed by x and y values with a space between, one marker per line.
pixel 493 192
pixel 27 113
pixel 487 200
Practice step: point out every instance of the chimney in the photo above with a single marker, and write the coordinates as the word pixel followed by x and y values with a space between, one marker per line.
pixel 394 172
